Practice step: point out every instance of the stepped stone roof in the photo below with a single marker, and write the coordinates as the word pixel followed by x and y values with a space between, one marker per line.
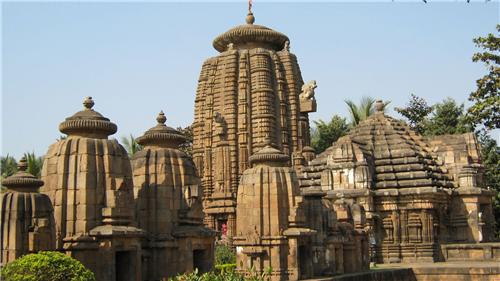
pixel 399 157
pixel 161 134
pixel 22 180
pixel 88 122
pixel 250 33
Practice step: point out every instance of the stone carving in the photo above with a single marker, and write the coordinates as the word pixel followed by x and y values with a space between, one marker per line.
pixel 417 197
pixel 27 216
pixel 308 90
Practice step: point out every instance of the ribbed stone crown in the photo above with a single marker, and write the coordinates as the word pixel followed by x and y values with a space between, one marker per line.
pixel 88 123
pixel 268 155
pixel 251 35
pixel 161 135
pixel 22 180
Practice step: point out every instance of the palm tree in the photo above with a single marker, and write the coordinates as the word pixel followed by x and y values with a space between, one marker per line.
pixel 131 145
pixel 34 164
pixel 8 166
pixel 362 111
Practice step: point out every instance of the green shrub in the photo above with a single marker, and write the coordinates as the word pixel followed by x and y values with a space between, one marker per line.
pixel 224 254
pixel 44 266
pixel 226 275
pixel 225 267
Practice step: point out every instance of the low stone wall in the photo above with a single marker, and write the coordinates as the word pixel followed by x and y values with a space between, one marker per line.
pixel 393 274
pixel 471 252
pixel 441 271
pixel 465 273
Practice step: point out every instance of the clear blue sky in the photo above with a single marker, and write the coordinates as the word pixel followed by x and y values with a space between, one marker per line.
pixel 136 59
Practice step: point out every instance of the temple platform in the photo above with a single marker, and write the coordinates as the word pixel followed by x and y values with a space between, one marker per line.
pixel 439 271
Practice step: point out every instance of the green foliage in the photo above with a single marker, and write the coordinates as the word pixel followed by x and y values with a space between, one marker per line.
pixel 415 112
pixel 45 266
pixel 187 146
pixel 324 134
pixel 34 164
pixel 8 166
pixel 226 275
pixel 486 98
pixel 361 111
pixel 131 145
pixel 225 267
pixel 490 156
pixel 224 254
pixel 447 118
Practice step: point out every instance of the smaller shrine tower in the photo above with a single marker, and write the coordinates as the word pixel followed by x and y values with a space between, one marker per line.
pixel 270 232
pixel 167 192
pixel 27 216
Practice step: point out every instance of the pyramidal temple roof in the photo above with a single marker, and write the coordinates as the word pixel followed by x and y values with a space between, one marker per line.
pixel 250 35
pixel 399 156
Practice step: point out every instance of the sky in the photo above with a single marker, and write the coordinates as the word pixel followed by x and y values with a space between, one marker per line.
pixel 136 59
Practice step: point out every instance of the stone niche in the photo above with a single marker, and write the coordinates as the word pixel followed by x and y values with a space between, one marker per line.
pixel 252 90
pixel 168 193
pixel 88 178
pixel 27 216
pixel 418 194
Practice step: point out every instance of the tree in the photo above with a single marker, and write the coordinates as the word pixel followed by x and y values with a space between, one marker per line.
pixel 486 98
pixel 416 112
pixel 187 146
pixel 45 266
pixel 447 118
pixel 362 111
pixel 8 166
pixel 324 134
pixel 490 157
pixel 34 164
pixel 131 145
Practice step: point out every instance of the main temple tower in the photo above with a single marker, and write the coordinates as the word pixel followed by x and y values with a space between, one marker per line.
pixel 251 91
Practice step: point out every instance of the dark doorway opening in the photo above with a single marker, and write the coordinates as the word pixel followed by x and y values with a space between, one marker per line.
pixel 305 262
pixel 125 266
pixel 199 260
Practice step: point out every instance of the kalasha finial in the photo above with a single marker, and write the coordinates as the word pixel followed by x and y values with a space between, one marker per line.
pixel 379 106
pixel 23 164
pixel 250 18
pixel 88 103
pixel 161 118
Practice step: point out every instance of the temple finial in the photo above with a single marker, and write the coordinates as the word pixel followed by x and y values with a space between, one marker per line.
pixel 23 164
pixel 161 118
pixel 250 19
pixel 88 103
pixel 379 106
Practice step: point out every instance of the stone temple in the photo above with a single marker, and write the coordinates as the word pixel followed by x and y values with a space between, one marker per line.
pixel 420 196
pixel 250 91
pixel 381 194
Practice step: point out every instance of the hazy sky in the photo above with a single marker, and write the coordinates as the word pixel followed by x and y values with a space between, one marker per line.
pixel 136 59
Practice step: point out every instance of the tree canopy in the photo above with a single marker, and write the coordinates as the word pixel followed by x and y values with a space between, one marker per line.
pixel 486 98
pixel 324 134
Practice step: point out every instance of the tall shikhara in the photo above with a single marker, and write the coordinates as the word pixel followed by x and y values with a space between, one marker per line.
pixel 249 92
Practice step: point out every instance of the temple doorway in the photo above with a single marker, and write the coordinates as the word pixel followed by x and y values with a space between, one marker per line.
pixel 125 266
pixel 199 260
pixel 305 264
